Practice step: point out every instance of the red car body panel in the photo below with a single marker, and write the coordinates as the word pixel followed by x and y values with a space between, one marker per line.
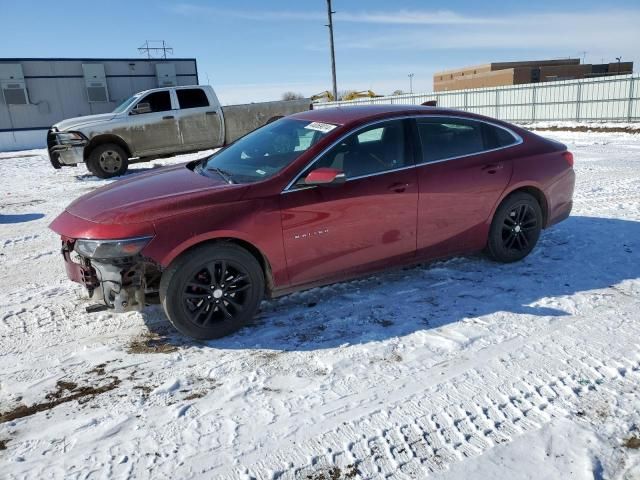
pixel 319 235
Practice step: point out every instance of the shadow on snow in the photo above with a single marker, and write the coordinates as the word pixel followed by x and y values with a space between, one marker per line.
pixel 580 254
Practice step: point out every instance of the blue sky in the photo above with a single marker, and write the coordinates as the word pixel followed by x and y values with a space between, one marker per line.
pixel 252 50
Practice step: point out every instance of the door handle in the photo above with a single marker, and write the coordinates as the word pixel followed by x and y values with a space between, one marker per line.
pixel 212 112
pixel 398 187
pixel 168 117
pixel 492 168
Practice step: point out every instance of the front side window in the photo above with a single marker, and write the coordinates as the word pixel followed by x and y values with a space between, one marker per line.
pixel 444 138
pixel 375 149
pixel 192 98
pixel 158 101
pixel 265 151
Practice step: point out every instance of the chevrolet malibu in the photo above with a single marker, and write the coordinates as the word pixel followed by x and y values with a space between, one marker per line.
pixel 311 199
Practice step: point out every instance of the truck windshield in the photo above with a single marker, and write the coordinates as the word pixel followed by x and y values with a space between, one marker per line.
pixel 124 105
pixel 265 151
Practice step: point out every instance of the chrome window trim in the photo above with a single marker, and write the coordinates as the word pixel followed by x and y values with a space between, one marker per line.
pixel 518 140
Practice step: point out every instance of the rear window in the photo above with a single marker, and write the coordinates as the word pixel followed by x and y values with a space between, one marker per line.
pixel 192 98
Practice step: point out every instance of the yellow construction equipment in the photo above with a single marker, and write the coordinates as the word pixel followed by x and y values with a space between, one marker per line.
pixel 360 94
pixel 326 96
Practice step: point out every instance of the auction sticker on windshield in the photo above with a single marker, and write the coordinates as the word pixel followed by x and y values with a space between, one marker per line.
pixel 321 127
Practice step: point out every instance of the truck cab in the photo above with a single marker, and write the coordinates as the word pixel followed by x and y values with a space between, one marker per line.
pixel 156 123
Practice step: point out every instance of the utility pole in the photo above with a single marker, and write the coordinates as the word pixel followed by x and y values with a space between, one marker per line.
pixel 584 56
pixel 330 13
pixel 152 51
pixel 410 82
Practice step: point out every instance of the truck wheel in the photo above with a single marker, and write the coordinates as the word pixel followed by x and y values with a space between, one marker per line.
pixel 108 160
pixel 212 291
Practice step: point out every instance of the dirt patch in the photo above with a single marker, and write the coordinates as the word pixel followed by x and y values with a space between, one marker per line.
pixel 335 473
pixel 632 443
pixel 99 370
pixel 195 395
pixel 65 392
pixel 151 343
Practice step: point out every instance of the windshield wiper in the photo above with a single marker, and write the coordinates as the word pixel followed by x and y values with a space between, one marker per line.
pixel 226 176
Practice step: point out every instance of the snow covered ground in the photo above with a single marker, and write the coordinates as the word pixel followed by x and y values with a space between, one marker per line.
pixel 462 369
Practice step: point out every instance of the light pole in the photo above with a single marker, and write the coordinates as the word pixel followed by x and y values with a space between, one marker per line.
pixel 410 82
pixel 330 13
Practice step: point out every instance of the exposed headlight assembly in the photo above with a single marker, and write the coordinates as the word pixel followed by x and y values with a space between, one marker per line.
pixel 66 138
pixel 126 247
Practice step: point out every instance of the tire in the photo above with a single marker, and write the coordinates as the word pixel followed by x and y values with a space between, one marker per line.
pixel 202 303
pixel 515 228
pixel 108 160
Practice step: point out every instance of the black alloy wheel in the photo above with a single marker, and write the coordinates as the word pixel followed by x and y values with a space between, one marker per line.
pixel 218 292
pixel 212 291
pixel 515 228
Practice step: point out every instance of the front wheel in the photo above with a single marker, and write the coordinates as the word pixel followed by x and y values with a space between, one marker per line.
pixel 108 160
pixel 515 228
pixel 212 291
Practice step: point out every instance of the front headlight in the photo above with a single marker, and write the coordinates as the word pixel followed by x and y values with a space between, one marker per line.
pixel 126 247
pixel 70 137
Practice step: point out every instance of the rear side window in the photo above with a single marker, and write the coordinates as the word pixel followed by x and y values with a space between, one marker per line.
pixel 158 101
pixel 497 137
pixel 443 138
pixel 192 98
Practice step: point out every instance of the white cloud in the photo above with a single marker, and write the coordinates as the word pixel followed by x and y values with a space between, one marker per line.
pixel 599 33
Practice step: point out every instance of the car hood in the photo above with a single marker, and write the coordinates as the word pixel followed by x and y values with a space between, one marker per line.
pixel 77 122
pixel 147 197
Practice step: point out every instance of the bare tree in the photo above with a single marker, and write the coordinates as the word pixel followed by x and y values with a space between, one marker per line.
pixel 292 96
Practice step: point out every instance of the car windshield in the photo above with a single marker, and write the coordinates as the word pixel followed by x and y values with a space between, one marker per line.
pixel 265 151
pixel 124 105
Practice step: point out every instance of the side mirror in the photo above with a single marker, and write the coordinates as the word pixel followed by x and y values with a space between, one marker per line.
pixel 325 176
pixel 142 107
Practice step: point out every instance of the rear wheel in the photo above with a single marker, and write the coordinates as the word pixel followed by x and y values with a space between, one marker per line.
pixel 212 291
pixel 108 160
pixel 515 228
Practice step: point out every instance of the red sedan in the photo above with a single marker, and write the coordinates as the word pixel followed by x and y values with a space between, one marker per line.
pixel 314 198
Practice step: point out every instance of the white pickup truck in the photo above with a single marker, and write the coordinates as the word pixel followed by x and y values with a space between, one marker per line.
pixel 158 123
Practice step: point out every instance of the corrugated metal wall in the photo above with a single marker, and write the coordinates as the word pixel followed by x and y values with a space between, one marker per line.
pixel 609 99
pixel 57 91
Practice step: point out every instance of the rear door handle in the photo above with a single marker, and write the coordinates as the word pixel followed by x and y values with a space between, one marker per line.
pixel 168 117
pixel 492 168
pixel 212 112
pixel 398 187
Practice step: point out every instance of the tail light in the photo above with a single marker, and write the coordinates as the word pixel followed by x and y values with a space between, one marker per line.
pixel 568 156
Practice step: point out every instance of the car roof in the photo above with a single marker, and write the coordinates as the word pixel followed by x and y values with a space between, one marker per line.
pixel 343 115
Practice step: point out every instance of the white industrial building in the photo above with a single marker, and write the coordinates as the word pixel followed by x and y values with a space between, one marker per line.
pixel 38 92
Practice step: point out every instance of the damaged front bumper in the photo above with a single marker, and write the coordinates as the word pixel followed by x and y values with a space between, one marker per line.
pixel 122 284
pixel 63 151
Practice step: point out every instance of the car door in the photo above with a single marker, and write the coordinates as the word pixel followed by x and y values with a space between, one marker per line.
pixel 198 121
pixel 153 126
pixel 465 168
pixel 334 231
